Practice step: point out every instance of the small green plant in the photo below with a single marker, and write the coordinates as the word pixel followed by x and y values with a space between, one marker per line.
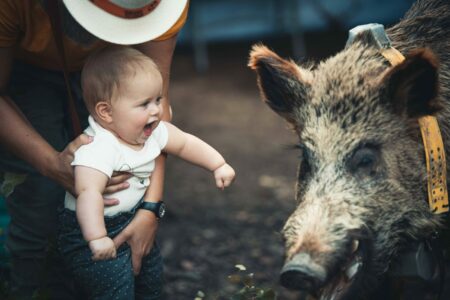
pixel 200 295
pixel 249 290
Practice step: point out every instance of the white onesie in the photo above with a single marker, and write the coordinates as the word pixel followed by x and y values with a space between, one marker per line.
pixel 106 154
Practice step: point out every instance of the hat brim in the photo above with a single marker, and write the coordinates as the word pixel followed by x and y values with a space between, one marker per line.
pixel 122 31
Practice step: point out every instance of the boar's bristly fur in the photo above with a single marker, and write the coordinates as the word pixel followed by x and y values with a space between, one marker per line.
pixel 361 188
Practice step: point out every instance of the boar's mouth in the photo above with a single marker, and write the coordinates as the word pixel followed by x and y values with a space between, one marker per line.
pixel 345 282
pixel 341 283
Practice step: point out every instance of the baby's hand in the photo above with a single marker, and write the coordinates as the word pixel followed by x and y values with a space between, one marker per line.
pixel 224 176
pixel 102 248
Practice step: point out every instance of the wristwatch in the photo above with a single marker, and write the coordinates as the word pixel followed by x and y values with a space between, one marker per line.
pixel 158 208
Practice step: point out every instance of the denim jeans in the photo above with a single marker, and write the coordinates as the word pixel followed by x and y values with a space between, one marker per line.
pixel 35 264
pixel 112 278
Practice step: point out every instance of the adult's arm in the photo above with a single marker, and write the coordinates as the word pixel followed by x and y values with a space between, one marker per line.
pixel 161 52
pixel 19 137
pixel 140 233
pixel 17 134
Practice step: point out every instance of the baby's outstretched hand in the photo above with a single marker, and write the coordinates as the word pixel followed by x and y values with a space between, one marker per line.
pixel 102 248
pixel 224 176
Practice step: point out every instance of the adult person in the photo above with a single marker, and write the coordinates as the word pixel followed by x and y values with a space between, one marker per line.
pixel 35 134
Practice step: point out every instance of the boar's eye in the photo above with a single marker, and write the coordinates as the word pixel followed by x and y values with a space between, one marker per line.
pixel 364 161
pixel 304 167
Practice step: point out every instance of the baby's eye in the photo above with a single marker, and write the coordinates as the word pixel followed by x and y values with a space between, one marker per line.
pixel 145 103
pixel 158 100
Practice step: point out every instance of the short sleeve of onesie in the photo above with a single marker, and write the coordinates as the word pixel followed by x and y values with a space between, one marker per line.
pixel 100 154
pixel 161 135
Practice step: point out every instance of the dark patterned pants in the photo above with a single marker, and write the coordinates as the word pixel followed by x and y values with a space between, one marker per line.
pixel 113 278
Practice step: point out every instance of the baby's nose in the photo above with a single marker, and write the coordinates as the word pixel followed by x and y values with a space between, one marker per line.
pixel 154 109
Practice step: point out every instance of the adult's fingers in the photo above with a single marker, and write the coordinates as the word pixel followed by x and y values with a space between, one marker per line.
pixel 81 140
pixel 110 202
pixel 121 238
pixel 117 182
pixel 115 188
pixel 136 261
pixel 119 177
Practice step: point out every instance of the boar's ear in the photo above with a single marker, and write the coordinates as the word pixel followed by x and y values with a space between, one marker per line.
pixel 283 84
pixel 412 86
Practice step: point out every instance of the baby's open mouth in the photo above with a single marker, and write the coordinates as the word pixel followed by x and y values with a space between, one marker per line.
pixel 148 128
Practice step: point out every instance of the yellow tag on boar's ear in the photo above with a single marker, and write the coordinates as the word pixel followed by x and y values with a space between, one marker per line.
pixel 436 165
pixel 392 55
pixel 434 150
pixel 431 135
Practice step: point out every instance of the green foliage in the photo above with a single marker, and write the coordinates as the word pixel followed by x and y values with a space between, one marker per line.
pixel 247 287
pixel 249 290
pixel 4 289
pixel 8 181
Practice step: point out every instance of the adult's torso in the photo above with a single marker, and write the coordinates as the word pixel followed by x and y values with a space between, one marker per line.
pixel 25 25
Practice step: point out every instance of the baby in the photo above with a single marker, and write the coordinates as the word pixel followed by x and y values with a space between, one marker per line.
pixel 122 89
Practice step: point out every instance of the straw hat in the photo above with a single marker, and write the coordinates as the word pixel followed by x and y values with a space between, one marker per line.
pixel 126 22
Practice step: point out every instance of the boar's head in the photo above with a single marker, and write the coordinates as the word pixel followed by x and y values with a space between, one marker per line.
pixel 361 186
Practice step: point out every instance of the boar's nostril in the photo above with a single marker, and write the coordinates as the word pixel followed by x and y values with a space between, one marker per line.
pixel 301 273
pixel 297 279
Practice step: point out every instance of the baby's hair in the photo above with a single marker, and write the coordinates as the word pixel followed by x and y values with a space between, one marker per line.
pixel 105 69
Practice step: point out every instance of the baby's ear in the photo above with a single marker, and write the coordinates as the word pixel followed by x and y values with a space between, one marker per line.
pixel 104 111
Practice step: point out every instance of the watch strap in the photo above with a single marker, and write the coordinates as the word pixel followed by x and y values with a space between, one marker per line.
pixel 154 207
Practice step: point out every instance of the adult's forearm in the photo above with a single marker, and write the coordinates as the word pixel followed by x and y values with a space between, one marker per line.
pixel 155 190
pixel 18 136
pixel 161 52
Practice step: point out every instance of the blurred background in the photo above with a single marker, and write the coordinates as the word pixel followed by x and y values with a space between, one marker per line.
pixel 215 21
pixel 214 96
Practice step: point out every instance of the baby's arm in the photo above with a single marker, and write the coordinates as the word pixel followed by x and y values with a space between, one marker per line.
pixel 196 151
pixel 89 184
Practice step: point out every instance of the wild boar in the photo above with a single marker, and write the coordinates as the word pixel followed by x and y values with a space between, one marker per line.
pixel 362 178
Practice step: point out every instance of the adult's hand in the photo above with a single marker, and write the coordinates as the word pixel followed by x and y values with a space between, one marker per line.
pixel 117 182
pixel 63 171
pixel 140 235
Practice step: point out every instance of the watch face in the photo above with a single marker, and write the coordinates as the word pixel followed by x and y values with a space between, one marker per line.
pixel 162 210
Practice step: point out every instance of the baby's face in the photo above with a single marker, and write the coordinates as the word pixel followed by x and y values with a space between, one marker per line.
pixel 138 110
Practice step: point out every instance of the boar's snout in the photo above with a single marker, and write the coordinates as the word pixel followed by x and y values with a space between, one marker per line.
pixel 301 273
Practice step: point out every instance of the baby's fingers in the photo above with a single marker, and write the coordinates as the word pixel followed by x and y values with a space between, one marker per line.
pixel 111 253
pixel 227 182
pixel 97 256
pixel 104 255
pixel 219 183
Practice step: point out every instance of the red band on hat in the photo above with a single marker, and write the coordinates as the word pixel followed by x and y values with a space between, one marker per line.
pixel 126 13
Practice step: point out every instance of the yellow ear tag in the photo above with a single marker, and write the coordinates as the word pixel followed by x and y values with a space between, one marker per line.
pixel 436 164
pixel 434 150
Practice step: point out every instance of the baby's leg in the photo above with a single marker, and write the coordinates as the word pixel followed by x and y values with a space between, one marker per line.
pixel 107 279
pixel 104 279
pixel 149 282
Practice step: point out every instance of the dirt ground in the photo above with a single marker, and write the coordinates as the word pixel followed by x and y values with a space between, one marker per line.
pixel 208 231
